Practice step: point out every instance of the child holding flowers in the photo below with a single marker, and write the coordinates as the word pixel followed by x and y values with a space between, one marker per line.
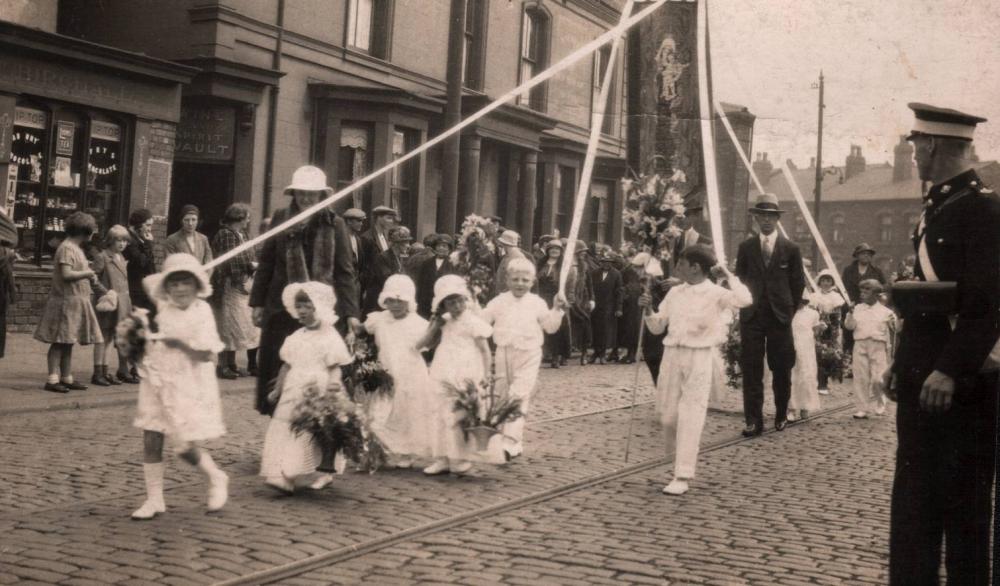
pixel 312 357
pixel 397 331
pixel 178 393
pixel 694 312
pixel 461 357
pixel 520 319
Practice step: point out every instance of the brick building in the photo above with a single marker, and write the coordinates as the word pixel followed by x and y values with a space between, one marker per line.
pixel 875 203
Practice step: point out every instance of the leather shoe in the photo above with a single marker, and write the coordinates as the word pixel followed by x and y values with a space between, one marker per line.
pixel 75 386
pixel 752 431
pixel 226 373
pixel 56 387
pixel 781 425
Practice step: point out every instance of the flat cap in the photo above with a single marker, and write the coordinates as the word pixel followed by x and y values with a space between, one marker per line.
pixel 936 121
pixel 354 214
pixel 383 211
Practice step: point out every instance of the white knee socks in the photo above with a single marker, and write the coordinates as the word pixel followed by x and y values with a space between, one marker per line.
pixel 153 473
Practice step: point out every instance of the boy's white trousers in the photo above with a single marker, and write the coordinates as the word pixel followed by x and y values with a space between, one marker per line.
pixel 516 375
pixel 682 394
pixel 870 360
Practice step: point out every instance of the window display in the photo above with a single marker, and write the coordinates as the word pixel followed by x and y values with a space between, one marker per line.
pixel 62 160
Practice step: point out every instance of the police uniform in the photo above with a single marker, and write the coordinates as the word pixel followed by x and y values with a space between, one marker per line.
pixel 945 461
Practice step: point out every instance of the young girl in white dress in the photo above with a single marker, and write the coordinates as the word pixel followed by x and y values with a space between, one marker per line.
pixel 312 356
pixel 404 432
pixel 805 394
pixel 178 392
pixel 463 355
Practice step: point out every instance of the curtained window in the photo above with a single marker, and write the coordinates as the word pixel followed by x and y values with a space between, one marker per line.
pixel 535 26
pixel 369 26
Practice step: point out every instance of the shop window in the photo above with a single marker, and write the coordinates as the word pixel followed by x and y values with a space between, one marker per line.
pixel 535 27
pixel 62 161
pixel 355 160
pixel 564 203
pixel 885 228
pixel 369 26
pixel 473 58
pixel 838 228
pixel 405 178
pixel 602 59
pixel 599 195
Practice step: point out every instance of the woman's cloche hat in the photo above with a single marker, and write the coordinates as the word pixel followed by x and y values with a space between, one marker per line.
pixel 447 286
pixel 180 262
pixel 863 247
pixel 509 238
pixel 308 178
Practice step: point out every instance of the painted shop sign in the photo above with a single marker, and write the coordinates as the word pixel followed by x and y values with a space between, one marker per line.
pixel 206 134
pixel 27 75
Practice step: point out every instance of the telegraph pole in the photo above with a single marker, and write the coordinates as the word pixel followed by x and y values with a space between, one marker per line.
pixel 818 191
pixel 447 204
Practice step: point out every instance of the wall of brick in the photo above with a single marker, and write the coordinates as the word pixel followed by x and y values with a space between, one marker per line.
pixel 32 291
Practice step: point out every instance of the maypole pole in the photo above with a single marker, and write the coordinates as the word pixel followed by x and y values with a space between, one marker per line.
pixel 708 136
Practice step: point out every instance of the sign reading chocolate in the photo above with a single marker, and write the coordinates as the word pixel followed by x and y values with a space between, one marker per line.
pixel 206 134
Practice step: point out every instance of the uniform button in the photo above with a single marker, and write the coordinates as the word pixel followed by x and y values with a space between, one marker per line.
pixel 940 240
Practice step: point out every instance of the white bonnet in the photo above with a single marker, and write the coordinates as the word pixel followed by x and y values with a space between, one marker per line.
pixel 180 262
pixel 322 296
pixel 399 287
pixel 447 286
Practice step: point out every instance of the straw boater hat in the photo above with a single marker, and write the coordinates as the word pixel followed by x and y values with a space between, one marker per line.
pixel 399 287
pixel 308 178
pixel 322 296
pixel 863 247
pixel 180 262
pixel 509 238
pixel 766 203
pixel 447 286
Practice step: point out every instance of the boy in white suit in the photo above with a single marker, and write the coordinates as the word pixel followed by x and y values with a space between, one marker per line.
pixel 519 319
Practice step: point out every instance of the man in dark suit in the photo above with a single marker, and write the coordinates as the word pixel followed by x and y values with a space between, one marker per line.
pixel 945 371
pixel 431 269
pixel 362 249
pixel 391 262
pixel 859 270
pixel 383 220
pixel 609 294
pixel 771 267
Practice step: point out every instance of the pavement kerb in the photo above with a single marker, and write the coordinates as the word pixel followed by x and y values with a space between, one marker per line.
pixel 278 573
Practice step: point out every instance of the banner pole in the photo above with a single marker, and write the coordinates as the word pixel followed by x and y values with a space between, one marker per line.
pixel 708 136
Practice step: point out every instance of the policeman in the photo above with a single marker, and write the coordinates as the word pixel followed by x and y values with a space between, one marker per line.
pixel 942 379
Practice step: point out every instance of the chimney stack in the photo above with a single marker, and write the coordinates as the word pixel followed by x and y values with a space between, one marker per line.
pixel 763 168
pixel 902 167
pixel 855 163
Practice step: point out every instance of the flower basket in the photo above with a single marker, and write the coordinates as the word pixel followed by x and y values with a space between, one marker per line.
pixel 366 374
pixel 339 423
pixel 482 435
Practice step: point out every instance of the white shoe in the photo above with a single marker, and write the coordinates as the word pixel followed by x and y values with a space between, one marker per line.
pixel 281 484
pixel 404 463
pixel 321 482
pixel 676 487
pixel 437 467
pixel 791 417
pixel 218 491
pixel 461 467
pixel 861 415
pixel 824 391
pixel 148 510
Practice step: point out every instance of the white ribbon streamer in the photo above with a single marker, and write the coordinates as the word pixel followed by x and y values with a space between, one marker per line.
pixel 823 250
pixel 707 135
pixel 754 178
pixel 561 65
pixel 596 122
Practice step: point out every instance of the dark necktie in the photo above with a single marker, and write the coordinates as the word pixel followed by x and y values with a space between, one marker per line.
pixel 766 251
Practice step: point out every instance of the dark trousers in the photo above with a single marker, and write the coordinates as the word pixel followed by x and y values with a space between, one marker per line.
pixel 276 328
pixel 944 475
pixel 605 330
pixel 652 353
pixel 557 345
pixel 580 326
pixel 765 332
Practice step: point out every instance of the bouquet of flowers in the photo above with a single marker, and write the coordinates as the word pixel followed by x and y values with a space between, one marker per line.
pixel 336 421
pixel 474 255
pixel 366 374
pixel 830 358
pixel 731 349
pixel 132 334
pixel 652 203
pixel 481 412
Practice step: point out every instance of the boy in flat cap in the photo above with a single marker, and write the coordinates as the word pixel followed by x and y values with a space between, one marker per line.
pixel 945 385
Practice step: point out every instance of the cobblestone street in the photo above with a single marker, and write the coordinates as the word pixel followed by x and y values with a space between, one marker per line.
pixel 806 506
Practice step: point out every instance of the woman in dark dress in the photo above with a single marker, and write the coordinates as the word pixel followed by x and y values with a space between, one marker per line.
pixel 139 255
pixel 557 345
pixel 629 322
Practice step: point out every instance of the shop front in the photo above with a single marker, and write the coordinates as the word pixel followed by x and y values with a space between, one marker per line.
pixel 83 127
pixel 80 126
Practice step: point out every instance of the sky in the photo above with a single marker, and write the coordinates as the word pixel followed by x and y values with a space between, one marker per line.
pixel 876 56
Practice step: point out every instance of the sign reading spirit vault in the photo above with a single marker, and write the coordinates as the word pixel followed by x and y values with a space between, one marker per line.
pixel 205 134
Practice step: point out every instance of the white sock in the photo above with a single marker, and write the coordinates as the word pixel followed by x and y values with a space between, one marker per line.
pixel 53 379
pixel 153 473
pixel 207 465
pixel 67 379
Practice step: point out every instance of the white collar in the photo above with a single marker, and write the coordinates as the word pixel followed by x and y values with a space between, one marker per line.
pixel 772 238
